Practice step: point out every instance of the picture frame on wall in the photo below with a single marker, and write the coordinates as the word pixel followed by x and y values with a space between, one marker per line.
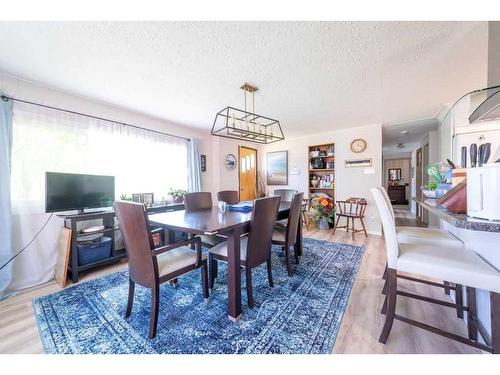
pixel 277 168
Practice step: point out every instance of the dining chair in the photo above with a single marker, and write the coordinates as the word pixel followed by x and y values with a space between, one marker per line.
pixel 352 209
pixel 286 195
pixel 228 196
pixel 255 248
pixel 455 264
pixel 197 202
pixel 430 236
pixel 287 237
pixel 150 267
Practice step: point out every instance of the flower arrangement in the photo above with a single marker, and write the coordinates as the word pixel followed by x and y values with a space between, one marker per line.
pixel 323 207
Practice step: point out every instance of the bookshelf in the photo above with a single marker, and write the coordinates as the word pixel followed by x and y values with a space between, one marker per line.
pixel 321 168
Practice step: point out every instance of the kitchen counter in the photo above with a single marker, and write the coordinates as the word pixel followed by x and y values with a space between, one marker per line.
pixel 461 221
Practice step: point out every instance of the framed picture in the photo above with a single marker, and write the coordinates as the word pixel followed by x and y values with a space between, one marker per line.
pixel 277 168
pixel 137 198
pixel 358 163
pixel 148 199
pixel 203 163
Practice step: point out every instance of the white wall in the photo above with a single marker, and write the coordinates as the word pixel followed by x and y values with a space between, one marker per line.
pixel 349 182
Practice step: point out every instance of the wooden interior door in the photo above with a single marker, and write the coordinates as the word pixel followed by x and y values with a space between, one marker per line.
pixel 247 159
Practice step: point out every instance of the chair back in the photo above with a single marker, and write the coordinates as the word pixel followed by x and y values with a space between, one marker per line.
pixel 353 206
pixel 134 226
pixel 228 196
pixel 265 211
pixel 391 241
pixel 294 218
pixel 387 200
pixel 198 201
pixel 286 195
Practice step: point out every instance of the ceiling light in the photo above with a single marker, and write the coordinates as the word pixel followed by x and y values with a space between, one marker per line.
pixel 404 132
pixel 247 126
pixel 401 145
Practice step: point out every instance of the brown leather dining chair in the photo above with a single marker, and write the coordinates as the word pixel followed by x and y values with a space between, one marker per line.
pixel 228 196
pixel 287 236
pixel 255 248
pixel 150 267
pixel 286 195
pixel 197 202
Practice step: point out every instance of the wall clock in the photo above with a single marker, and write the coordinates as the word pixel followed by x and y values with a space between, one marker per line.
pixel 358 145
pixel 230 161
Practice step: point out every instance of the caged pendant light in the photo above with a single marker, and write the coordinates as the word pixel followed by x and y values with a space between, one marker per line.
pixel 247 126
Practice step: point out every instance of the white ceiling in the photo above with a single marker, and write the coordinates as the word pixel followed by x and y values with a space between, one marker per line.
pixel 313 76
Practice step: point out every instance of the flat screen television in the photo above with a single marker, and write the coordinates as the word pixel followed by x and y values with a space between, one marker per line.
pixel 70 191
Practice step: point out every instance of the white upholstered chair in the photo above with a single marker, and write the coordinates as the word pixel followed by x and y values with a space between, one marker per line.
pixel 438 261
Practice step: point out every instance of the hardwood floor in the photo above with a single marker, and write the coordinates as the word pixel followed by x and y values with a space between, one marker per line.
pixel 360 326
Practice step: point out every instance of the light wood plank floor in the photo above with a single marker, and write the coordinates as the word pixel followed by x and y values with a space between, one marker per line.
pixel 359 330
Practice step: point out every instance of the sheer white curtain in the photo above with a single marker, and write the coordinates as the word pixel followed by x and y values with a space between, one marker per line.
pixel 50 140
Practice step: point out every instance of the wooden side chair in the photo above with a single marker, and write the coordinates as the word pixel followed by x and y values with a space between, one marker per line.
pixel 437 261
pixel 150 267
pixel 352 209
pixel 228 196
pixel 255 248
pixel 286 195
pixel 288 237
pixel 197 202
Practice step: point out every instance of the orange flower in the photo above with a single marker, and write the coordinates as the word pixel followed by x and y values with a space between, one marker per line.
pixel 324 202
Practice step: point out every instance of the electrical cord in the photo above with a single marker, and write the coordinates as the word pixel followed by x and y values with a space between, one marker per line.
pixel 29 243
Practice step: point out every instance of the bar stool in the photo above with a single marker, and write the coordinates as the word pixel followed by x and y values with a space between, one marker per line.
pixel 438 261
pixel 429 236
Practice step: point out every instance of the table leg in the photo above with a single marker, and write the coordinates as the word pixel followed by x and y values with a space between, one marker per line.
pixel 234 274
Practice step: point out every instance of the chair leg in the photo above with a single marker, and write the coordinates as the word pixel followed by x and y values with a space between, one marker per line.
pixel 270 273
pixel 384 275
pixel 155 304
pixel 288 261
pixel 459 298
pixel 131 289
pixel 446 290
pixel 296 253
pixel 383 311
pixel 495 322
pixel 204 280
pixel 347 225
pixel 384 289
pixel 472 305
pixel 249 287
pixel 392 280
pixel 336 224
pixel 353 229
pixel 213 266
pixel 363 225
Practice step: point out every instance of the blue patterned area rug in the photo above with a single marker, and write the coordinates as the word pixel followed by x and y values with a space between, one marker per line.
pixel 301 314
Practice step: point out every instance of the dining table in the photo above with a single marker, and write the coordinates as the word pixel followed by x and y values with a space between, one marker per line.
pixel 231 224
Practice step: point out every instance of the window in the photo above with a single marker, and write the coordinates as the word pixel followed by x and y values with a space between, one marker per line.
pixel 49 140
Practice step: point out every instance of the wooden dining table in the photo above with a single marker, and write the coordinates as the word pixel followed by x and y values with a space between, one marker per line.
pixel 231 224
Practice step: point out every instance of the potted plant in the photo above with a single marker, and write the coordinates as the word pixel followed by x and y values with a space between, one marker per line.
pixel 177 195
pixel 323 209
pixel 125 197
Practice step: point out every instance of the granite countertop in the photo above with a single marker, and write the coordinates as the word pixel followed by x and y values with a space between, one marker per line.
pixel 460 220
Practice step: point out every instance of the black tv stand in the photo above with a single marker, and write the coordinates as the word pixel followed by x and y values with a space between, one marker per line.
pixel 83 212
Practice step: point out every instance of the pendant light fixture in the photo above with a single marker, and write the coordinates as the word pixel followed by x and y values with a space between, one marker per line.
pixel 247 126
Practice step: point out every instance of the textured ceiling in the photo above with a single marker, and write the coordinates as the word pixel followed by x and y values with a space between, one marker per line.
pixel 313 76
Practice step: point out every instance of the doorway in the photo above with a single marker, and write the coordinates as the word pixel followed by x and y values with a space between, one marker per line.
pixel 247 158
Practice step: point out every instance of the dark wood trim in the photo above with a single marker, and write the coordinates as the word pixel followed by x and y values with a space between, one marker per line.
pixel 426 282
pixel 446 334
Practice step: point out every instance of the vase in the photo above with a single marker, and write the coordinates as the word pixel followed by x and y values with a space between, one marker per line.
pixel 178 199
pixel 442 189
pixel 323 223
